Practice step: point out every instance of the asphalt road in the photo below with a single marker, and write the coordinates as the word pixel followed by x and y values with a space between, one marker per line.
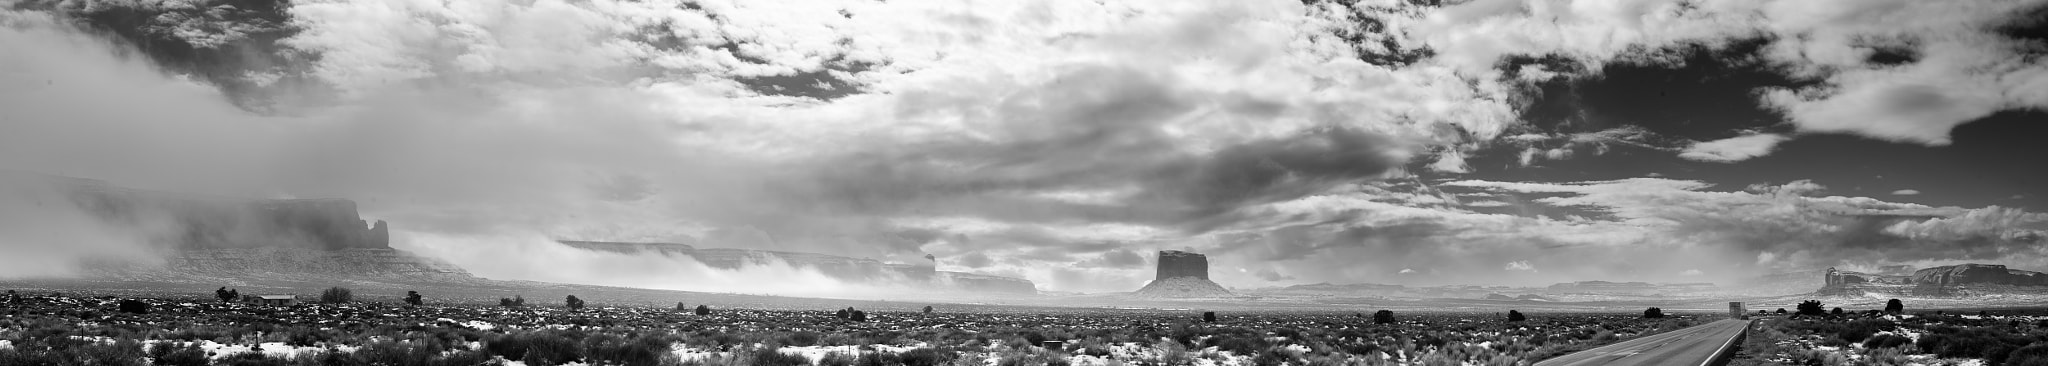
pixel 1687 347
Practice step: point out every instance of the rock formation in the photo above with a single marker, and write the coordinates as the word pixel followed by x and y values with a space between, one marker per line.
pixel 1954 280
pixel 182 221
pixel 1182 275
pixel 859 270
pixel 1174 263
pixel 226 236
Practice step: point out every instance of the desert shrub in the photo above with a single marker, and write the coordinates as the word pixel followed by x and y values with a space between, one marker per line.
pixel 1781 310
pixel 878 359
pixel 2032 355
pixel 336 295
pixel 614 350
pixel 927 309
pixel 1894 306
pixel 1209 316
pixel 1383 317
pixel 515 301
pixel 1811 308
pixel 1886 341
pixel 331 357
pixel 925 357
pixel 1033 338
pixel 703 310
pixel 768 356
pixel 1243 346
pixel 1273 356
pixel 395 353
pixel 1860 329
pixel 573 303
pixel 545 347
pixel 1653 313
pixel 801 339
pixel 836 359
pixel 413 298
pixel 248 359
pixel 463 358
pixel 1991 344
pixel 178 354
pixel 1516 316
pixel 859 316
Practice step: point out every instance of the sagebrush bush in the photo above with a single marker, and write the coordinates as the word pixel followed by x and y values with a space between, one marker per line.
pixel 337 295
pixel 768 356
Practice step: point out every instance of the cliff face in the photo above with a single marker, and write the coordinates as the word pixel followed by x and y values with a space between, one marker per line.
pixel 1182 275
pixel 859 270
pixel 1174 263
pixel 1955 280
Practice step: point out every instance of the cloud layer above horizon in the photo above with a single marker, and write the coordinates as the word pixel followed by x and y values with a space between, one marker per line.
pixel 1058 141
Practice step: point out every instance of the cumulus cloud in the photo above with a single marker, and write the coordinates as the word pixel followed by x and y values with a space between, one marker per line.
pixel 1905 192
pixel 1520 266
pixel 1733 149
pixel 1953 63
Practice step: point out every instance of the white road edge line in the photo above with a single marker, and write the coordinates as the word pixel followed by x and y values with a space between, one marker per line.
pixel 1724 346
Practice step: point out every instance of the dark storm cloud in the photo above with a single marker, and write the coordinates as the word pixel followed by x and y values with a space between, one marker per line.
pixel 1098 129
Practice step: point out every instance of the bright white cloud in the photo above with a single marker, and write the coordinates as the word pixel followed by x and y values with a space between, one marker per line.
pixel 1964 69
pixel 1905 192
pixel 1733 149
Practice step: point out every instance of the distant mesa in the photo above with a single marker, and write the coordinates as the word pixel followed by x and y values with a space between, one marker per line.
pixel 1945 281
pixel 858 270
pixel 211 235
pixel 1182 275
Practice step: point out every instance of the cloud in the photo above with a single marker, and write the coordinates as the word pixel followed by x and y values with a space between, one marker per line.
pixel 1520 266
pixel 1956 63
pixel 1273 276
pixel 1905 192
pixel 1014 138
pixel 1733 149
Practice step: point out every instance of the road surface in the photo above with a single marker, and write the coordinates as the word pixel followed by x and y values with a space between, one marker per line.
pixel 1687 347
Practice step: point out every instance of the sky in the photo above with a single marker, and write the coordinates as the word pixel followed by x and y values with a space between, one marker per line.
pixel 1498 142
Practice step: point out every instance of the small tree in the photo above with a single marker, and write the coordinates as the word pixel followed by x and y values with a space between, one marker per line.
pixel 1835 312
pixel 843 314
pixel 1515 316
pixel 413 298
pixel 1781 310
pixel 1383 317
pixel 337 295
pixel 1653 313
pixel 680 307
pixel 221 294
pixel 574 303
pixel 1894 306
pixel 703 310
pixel 1811 308
pixel 234 294
pixel 515 301
pixel 1209 317
pixel 927 309
pixel 859 316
